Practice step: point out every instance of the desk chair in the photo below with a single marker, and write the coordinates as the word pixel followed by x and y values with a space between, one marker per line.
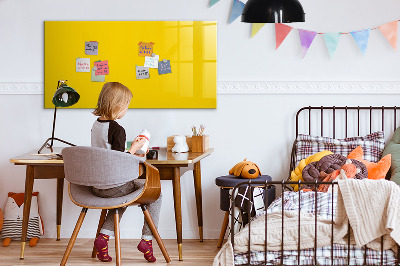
pixel 85 167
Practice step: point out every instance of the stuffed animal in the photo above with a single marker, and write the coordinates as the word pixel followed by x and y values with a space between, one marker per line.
pixel 375 170
pixel 245 169
pixel 180 144
pixel 13 215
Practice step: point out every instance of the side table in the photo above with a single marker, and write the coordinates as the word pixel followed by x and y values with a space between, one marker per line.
pixel 226 183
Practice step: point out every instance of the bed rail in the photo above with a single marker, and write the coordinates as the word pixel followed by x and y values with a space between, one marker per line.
pixel 265 185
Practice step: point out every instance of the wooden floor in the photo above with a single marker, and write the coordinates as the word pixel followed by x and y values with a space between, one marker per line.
pixel 50 252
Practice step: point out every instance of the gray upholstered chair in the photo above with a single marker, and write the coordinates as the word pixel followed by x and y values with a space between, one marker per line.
pixel 85 167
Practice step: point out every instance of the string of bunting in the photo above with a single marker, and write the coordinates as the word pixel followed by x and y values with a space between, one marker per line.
pixel 361 37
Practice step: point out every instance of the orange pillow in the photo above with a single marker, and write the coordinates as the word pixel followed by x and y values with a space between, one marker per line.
pixel 375 170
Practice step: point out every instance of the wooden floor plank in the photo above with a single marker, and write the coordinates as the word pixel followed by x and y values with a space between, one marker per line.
pixel 49 252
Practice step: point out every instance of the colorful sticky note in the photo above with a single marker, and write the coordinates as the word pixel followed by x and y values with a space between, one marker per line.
pixel 142 72
pixel 145 48
pixel 151 61
pixel 102 67
pixel 164 67
pixel 82 64
pixel 91 48
pixel 99 78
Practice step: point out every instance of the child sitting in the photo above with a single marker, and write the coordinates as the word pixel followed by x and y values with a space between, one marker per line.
pixel 106 133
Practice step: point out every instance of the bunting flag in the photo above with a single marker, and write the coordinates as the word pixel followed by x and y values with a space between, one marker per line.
pixel 361 37
pixel 281 31
pixel 237 9
pixel 306 39
pixel 213 2
pixel 389 30
pixel 256 27
pixel 332 41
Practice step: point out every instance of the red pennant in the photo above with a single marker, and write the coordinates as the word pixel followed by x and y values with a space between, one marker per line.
pixel 281 31
pixel 389 30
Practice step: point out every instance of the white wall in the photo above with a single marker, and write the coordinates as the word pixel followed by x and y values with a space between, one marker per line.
pixel 257 127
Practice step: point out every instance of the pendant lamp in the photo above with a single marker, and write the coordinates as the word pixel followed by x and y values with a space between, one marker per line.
pixel 64 96
pixel 273 11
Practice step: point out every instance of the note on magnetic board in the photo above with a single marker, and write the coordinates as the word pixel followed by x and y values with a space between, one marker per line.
pixel 142 72
pixel 92 48
pixel 82 64
pixel 99 78
pixel 151 61
pixel 164 67
pixel 102 67
pixel 145 48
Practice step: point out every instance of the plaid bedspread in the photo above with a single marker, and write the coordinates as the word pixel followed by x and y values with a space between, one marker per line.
pixel 321 205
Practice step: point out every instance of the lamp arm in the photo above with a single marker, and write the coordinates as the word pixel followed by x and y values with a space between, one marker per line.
pixel 54 126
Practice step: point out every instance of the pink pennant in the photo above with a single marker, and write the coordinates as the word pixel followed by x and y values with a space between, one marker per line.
pixel 281 31
pixel 306 39
pixel 389 30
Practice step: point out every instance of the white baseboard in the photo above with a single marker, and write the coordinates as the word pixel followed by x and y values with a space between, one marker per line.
pixel 258 87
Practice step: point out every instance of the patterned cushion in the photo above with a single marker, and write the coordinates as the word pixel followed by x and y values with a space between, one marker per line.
pixel 372 144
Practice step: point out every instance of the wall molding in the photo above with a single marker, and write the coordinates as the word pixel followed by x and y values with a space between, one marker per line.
pixel 258 87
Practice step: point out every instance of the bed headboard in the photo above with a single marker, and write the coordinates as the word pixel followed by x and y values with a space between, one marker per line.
pixel 344 121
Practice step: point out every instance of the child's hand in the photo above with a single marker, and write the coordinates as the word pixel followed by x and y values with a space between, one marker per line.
pixel 142 155
pixel 137 144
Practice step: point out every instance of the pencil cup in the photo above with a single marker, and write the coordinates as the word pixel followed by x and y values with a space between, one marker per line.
pixel 200 143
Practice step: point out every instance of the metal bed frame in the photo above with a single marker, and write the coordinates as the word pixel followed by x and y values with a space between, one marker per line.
pixel 283 184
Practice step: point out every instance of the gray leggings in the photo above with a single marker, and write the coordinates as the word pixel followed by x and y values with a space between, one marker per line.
pixel 154 208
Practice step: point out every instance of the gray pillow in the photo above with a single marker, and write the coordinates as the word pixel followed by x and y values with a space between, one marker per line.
pixel 393 148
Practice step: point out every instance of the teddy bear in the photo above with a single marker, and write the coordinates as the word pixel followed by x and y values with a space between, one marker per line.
pixel 245 169
pixel 180 144
pixel 13 215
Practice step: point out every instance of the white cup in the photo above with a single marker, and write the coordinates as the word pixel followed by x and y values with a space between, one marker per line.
pixel 144 134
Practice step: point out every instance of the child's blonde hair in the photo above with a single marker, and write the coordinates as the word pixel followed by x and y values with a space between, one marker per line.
pixel 113 97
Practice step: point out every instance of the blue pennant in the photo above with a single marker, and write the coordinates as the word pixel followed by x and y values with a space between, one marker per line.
pixel 213 2
pixel 237 9
pixel 361 38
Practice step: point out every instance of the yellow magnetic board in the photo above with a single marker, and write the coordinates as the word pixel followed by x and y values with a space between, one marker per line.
pixel 191 47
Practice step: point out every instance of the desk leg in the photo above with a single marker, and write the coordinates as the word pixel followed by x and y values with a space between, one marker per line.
pixel 199 204
pixel 176 182
pixel 27 206
pixel 60 190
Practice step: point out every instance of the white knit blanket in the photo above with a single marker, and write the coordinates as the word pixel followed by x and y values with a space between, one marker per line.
pixel 371 206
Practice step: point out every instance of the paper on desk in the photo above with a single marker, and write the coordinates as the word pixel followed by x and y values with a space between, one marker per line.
pixel 82 64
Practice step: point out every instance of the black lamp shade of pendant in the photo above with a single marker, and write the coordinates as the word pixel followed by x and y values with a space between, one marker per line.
pixel 273 11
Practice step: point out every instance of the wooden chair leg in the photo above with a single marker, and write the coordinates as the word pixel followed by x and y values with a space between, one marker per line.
pixel 73 237
pixel 154 230
pixel 117 238
pixel 101 222
pixel 223 229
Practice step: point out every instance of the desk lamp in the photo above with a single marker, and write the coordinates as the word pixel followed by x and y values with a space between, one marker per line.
pixel 273 11
pixel 64 96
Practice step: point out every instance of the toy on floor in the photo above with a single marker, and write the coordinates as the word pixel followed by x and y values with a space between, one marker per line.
pixel 180 144
pixel 13 215
pixel 245 169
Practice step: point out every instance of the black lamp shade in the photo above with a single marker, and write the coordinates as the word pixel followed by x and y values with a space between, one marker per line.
pixel 273 11
pixel 65 96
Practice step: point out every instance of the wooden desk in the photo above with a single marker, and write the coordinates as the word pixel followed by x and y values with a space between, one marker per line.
pixel 171 167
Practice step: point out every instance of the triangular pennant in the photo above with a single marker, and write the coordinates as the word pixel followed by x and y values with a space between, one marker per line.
pixel 237 9
pixel 306 39
pixel 389 30
pixel 213 2
pixel 281 31
pixel 256 27
pixel 332 41
pixel 361 37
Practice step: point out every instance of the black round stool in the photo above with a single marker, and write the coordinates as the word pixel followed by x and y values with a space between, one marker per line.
pixel 228 182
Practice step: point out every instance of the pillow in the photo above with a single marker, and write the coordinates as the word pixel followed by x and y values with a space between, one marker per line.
pixel 393 148
pixel 375 170
pixel 372 144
